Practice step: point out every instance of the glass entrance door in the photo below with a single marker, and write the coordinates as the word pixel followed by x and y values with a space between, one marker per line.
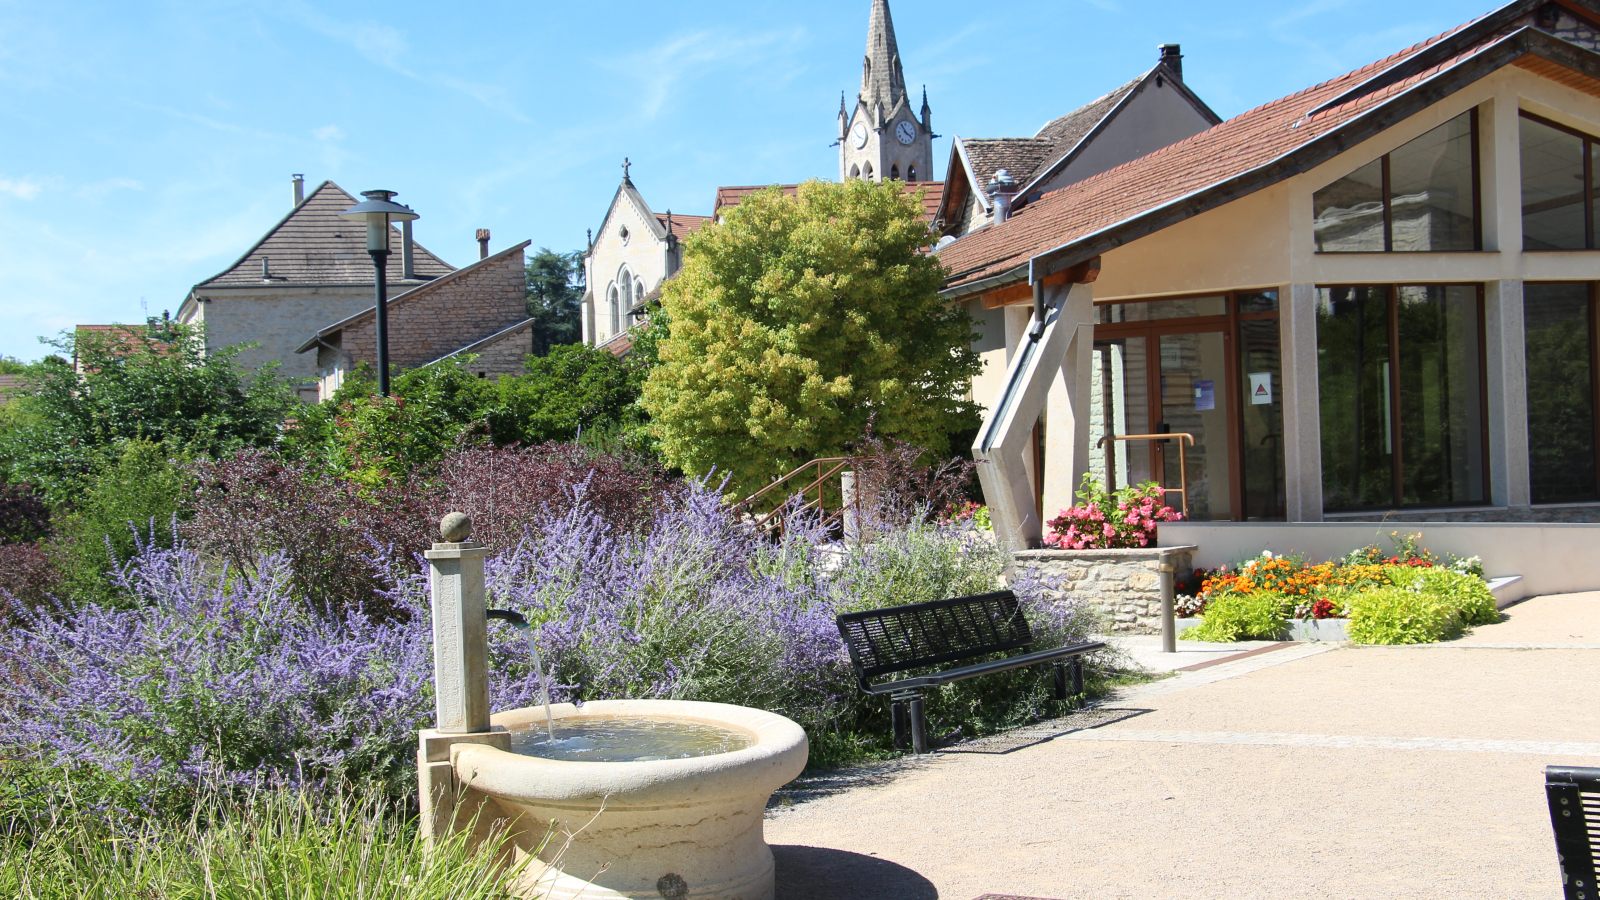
pixel 1204 366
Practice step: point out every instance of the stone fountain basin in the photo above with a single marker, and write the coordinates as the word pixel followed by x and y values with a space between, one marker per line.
pixel 680 828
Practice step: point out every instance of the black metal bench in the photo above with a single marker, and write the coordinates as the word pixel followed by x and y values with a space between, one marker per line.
pixel 1574 795
pixel 925 635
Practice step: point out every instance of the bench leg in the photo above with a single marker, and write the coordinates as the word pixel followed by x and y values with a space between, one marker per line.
pixel 1059 673
pixel 1077 676
pixel 897 714
pixel 919 734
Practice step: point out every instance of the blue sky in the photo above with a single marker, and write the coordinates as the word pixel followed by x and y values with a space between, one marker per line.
pixel 145 145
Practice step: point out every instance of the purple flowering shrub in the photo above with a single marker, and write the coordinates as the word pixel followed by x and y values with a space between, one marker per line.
pixel 219 680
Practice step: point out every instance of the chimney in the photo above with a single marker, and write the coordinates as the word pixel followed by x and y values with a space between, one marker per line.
pixel 299 189
pixel 408 256
pixel 1002 190
pixel 1172 55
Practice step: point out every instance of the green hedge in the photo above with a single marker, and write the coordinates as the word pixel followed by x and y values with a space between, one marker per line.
pixel 1238 617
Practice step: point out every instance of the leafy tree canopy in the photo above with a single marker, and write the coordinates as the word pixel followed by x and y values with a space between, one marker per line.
pixel 10 365
pixel 156 384
pixel 796 321
pixel 555 290
pixel 372 439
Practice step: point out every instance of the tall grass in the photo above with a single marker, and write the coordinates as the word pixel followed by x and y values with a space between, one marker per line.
pixel 279 845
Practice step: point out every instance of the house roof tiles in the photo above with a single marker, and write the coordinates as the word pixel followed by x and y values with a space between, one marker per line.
pixel 1214 158
pixel 313 246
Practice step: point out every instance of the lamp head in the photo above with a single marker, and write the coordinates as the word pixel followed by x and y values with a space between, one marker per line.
pixel 378 210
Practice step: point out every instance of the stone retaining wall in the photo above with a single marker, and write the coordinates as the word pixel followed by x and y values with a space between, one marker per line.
pixel 1124 584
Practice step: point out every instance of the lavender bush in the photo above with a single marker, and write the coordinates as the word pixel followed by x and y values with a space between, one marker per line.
pixel 221 680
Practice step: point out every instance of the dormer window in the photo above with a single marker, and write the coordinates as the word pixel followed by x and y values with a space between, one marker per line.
pixel 1420 197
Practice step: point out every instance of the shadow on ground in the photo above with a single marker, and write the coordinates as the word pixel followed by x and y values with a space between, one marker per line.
pixel 818 873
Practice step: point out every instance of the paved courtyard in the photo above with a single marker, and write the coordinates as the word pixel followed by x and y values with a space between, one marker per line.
pixel 1305 771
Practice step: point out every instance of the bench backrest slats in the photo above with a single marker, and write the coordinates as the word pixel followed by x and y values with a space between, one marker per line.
pixel 898 638
pixel 1574 795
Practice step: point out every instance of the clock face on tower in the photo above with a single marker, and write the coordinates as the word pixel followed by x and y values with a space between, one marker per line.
pixel 906 132
pixel 860 134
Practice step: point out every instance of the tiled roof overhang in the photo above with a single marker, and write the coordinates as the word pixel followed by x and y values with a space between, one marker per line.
pixel 1333 123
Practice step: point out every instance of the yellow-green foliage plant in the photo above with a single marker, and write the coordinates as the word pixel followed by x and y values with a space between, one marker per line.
pixel 1467 594
pixel 1238 617
pixel 1400 615
pixel 796 321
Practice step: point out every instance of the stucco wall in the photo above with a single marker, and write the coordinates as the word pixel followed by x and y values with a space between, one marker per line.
pixel 1153 118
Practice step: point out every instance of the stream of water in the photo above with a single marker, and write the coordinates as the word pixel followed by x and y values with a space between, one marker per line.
pixel 544 685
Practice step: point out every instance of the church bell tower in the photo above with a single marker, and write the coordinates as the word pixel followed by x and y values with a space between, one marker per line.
pixel 881 138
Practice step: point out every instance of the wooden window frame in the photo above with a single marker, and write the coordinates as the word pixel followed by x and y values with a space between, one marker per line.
pixel 1590 144
pixel 1388 197
pixel 1226 324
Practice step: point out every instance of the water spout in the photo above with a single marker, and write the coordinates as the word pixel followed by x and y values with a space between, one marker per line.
pixel 522 624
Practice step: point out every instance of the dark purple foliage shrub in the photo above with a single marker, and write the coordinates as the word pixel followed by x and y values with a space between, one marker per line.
pixel 24 517
pixel 897 484
pixel 253 504
pixel 26 575
pixel 507 489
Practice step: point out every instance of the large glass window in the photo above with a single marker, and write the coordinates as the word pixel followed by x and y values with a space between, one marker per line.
pixel 1557 187
pixel 1401 394
pixel 1558 324
pixel 1421 197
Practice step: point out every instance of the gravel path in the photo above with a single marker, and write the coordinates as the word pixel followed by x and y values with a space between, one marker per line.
pixel 1311 771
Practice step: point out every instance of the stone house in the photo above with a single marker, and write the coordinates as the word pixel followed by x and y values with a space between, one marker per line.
pixel 1374 299
pixel 479 309
pixel 310 268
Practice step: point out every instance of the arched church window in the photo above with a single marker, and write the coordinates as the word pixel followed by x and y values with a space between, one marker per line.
pixel 614 301
pixel 894 171
pixel 911 172
pixel 867 172
pixel 855 171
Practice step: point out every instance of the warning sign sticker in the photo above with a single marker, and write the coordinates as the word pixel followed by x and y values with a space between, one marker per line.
pixel 1261 388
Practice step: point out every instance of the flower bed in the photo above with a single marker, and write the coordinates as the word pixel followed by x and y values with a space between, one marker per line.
pixel 1408 596
pixel 1105 520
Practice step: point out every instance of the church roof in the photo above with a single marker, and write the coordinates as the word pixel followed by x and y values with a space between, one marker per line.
pixel 1258 148
pixel 313 246
pixel 729 197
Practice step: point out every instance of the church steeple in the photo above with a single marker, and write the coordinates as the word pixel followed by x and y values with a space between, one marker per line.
pixel 882 138
pixel 883 82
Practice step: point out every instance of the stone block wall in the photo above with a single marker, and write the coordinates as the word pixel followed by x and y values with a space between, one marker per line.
pixel 506 354
pixel 438 319
pixel 1124 584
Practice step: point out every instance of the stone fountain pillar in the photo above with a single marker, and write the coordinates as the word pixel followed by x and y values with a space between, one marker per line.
pixel 460 677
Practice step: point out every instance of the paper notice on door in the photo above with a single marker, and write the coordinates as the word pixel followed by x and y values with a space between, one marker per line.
pixel 1205 395
pixel 1261 388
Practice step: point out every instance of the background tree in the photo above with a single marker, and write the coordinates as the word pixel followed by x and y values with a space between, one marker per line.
pixel 137 383
pixel 555 289
pixel 10 365
pixel 799 319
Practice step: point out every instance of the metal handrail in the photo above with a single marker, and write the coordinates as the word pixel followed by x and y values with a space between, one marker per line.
pixel 1183 460
pixel 840 463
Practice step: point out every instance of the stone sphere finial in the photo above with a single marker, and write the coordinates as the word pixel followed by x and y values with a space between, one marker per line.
pixel 455 527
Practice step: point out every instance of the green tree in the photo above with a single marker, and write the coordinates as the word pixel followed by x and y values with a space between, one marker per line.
pixel 155 384
pixel 799 319
pixel 10 365
pixel 129 497
pixel 555 289
pixel 574 388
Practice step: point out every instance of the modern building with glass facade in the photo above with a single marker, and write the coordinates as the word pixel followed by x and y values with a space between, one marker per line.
pixel 1373 299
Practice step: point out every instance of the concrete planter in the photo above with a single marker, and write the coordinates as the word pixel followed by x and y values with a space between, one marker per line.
pixel 1124 584
pixel 1299 629
pixel 668 828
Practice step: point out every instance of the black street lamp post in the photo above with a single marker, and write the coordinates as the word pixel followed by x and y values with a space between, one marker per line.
pixel 378 211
